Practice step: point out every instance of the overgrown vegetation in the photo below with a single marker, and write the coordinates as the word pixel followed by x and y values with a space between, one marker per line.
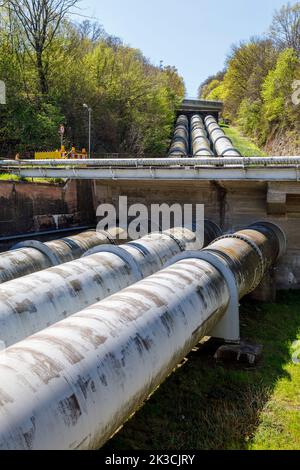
pixel 259 84
pixel 12 177
pixel 53 66
pixel 205 405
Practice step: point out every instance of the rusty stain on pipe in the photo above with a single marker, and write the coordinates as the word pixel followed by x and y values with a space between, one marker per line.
pixel 74 384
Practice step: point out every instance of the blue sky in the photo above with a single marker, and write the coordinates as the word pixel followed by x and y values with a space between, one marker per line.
pixel 193 35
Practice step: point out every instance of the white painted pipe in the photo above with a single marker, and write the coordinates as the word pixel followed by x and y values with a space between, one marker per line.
pixel 222 144
pixel 180 141
pixel 33 302
pixel 74 384
pixel 200 142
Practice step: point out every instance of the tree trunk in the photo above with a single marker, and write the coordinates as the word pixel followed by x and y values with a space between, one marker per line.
pixel 41 73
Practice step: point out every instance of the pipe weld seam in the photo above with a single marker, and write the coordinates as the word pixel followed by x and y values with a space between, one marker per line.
pixel 222 137
pixel 229 150
pixel 210 123
pixel 141 248
pixel 219 130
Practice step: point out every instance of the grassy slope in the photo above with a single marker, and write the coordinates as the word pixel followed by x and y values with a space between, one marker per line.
pixel 246 147
pixel 205 405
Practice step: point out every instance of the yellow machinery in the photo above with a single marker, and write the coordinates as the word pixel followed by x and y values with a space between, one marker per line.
pixel 59 154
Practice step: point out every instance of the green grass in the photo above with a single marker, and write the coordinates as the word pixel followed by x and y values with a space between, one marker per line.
pixel 245 146
pixel 205 405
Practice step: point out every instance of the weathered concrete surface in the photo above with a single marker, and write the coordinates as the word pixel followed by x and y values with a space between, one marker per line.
pixel 232 205
pixel 30 207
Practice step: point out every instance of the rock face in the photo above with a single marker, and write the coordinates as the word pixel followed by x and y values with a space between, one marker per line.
pixel 283 144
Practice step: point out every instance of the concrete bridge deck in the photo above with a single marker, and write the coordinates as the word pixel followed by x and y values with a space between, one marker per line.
pixel 210 169
pixel 203 107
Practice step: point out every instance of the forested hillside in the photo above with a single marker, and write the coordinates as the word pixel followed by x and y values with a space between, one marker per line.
pixel 260 85
pixel 52 65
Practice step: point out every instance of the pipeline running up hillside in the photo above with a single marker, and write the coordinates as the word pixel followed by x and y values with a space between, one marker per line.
pixel 200 142
pixel 221 143
pixel 180 142
pixel 74 384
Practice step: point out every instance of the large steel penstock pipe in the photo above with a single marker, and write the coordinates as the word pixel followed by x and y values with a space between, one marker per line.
pixel 74 384
pixel 31 303
pixel 180 142
pixel 200 142
pixel 221 143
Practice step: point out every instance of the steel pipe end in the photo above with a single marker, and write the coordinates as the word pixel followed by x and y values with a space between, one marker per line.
pixel 277 231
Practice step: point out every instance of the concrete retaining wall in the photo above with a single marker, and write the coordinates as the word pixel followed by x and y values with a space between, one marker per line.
pixel 232 205
pixel 29 207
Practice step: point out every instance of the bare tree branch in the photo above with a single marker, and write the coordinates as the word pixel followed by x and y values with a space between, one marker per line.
pixel 285 28
pixel 40 21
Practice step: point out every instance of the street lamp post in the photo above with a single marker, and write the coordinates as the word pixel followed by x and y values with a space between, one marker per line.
pixel 90 125
pixel 2 92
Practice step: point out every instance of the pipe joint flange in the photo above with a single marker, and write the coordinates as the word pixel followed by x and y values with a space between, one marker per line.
pixel 220 130
pixel 41 247
pixel 75 248
pixel 121 253
pixel 277 230
pixel 221 137
pixel 231 149
pixel 210 123
pixel 229 326
pixel 257 250
pixel 141 248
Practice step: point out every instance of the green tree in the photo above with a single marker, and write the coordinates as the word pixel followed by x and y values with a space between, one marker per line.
pixel 248 65
pixel 37 22
pixel 278 109
pixel 133 101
